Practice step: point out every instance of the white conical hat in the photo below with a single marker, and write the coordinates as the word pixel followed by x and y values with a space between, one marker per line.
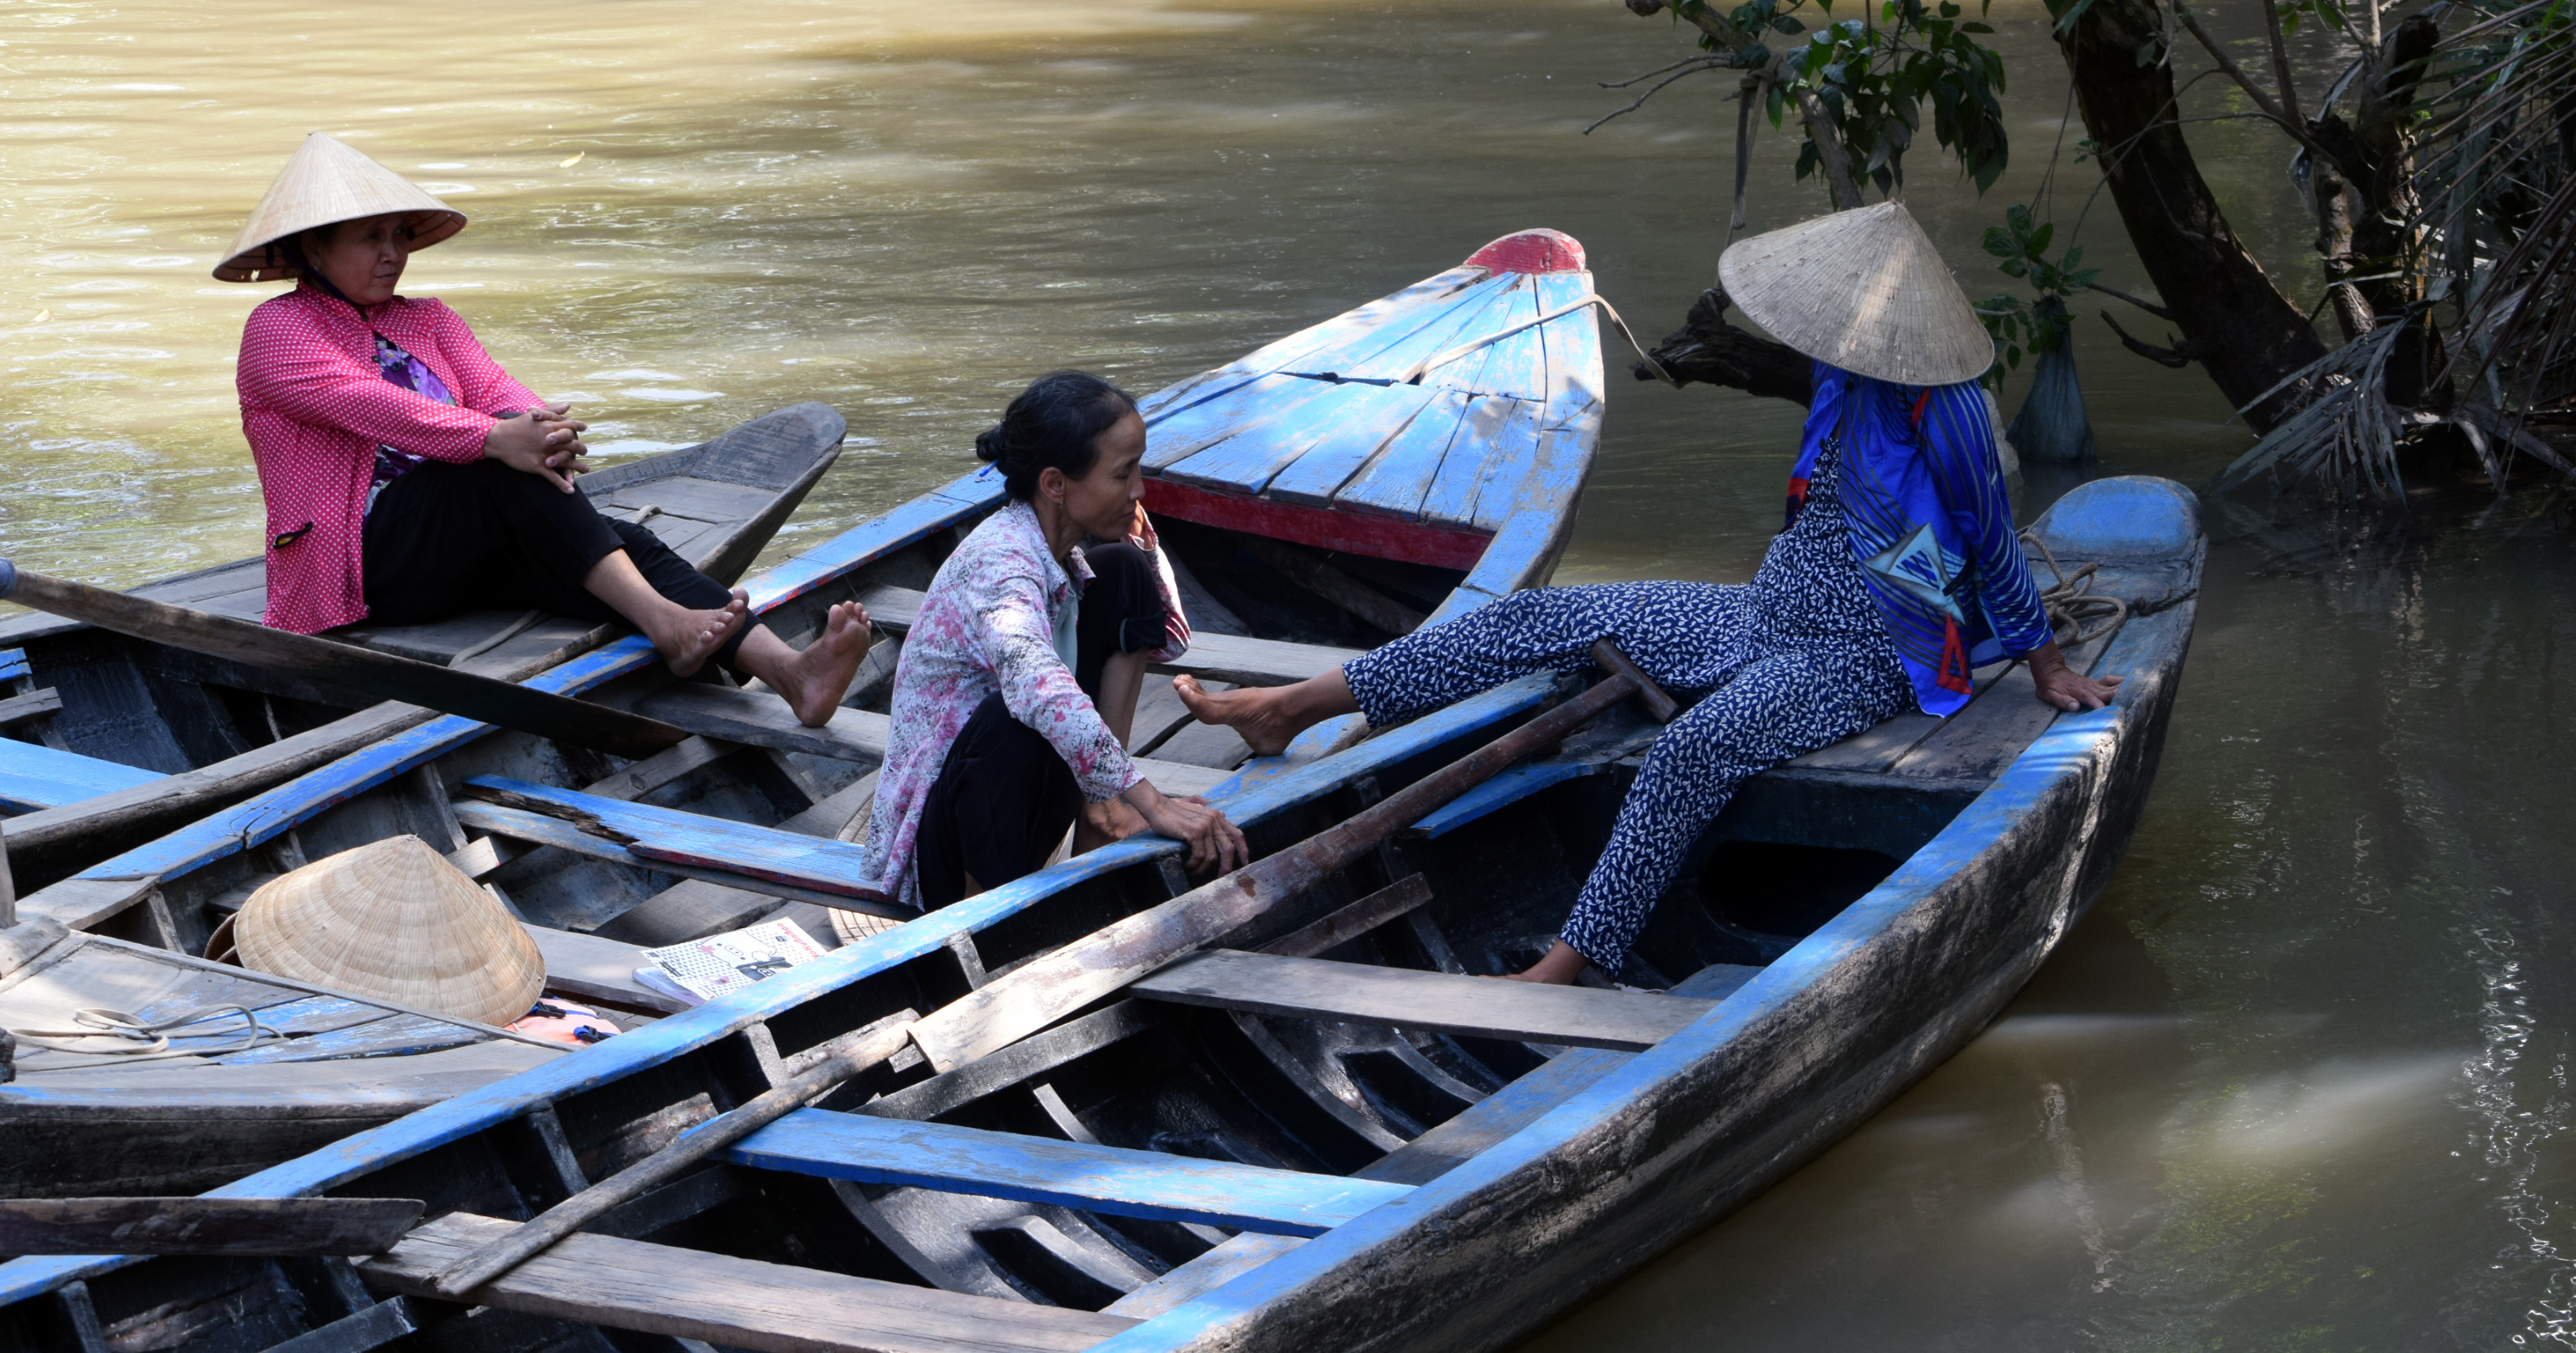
pixel 1863 290
pixel 394 920
pixel 326 181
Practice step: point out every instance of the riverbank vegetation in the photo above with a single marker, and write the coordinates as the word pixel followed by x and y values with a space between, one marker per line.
pixel 2440 324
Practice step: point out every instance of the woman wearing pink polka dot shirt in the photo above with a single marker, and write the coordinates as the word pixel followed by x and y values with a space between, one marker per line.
pixel 408 477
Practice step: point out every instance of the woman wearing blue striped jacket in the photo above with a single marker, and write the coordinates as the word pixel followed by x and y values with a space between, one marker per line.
pixel 1896 575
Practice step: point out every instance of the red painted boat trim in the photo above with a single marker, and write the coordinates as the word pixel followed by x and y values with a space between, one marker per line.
pixel 1323 528
pixel 1530 251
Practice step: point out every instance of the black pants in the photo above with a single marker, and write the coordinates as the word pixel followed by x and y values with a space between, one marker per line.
pixel 1004 798
pixel 448 538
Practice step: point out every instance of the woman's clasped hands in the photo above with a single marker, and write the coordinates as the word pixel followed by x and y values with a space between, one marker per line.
pixel 544 441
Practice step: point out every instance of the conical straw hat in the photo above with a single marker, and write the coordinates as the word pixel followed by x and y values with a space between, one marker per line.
pixel 396 921
pixel 1863 290
pixel 326 181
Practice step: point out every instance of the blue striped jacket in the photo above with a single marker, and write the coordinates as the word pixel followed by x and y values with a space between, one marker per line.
pixel 1923 488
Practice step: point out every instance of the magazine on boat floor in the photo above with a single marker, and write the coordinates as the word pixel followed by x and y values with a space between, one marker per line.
pixel 698 971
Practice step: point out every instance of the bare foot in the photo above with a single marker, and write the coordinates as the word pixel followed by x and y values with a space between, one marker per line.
pixel 694 636
pixel 814 681
pixel 1559 968
pixel 1253 712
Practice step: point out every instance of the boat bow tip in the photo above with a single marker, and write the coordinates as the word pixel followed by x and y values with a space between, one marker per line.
pixel 1537 250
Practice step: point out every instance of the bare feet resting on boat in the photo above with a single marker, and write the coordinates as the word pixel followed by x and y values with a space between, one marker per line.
pixel 686 639
pixel 1268 717
pixel 811 682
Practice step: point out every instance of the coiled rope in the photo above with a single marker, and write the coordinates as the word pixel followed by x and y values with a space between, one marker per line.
pixel 132 1038
pixel 2071 601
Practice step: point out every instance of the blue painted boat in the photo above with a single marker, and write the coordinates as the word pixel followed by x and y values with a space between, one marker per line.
pixel 757 816
pixel 1272 1146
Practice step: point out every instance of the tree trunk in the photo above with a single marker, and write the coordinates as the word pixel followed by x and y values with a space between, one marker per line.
pixel 2239 326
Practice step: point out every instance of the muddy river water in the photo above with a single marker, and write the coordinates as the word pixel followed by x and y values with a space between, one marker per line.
pixel 2300 1081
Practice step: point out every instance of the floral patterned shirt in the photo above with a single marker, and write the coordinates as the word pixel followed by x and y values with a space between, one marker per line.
pixel 999 617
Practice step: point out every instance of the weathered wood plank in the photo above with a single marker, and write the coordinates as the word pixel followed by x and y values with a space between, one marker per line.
pixel 13 664
pixel 18 709
pixel 1496 447
pixel 670 836
pixel 1483 1007
pixel 1247 661
pixel 205 1226
pixel 1355 920
pixel 1475 312
pixel 762 719
pixel 742 1303
pixel 592 968
pixel 369 1327
pixel 1393 482
pixel 1035 1055
pixel 1333 462
pixel 1270 399
pixel 1877 747
pixel 1352 416
pixel 866 1149
pixel 393 1035
pixel 1397 313
pixel 35 777
pixel 1982 739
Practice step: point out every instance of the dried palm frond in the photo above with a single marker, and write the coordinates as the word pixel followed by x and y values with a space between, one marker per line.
pixel 2346 434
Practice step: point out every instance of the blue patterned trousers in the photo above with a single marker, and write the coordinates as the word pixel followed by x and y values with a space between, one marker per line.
pixel 1769 698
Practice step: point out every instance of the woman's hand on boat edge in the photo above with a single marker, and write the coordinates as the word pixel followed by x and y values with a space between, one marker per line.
pixel 542 442
pixel 1215 843
pixel 2065 688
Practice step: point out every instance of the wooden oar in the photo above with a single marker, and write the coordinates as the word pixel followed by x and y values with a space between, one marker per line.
pixel 382 675
pixel 1033 996
pixel 205 1226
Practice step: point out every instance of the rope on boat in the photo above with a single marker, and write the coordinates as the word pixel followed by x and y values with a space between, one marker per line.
pixel 2071 600
pixel 1414 377
pixel 138 1040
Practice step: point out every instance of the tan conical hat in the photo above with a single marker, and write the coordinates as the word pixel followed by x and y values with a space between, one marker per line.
pixel 326 181
pixel 396 921
pixel 1863 290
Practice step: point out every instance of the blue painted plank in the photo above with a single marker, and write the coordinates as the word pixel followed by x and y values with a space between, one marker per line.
pixel 1493 452
pixel 1268 399
pixel 1348 425
pixel 1573 348
pixel 13 664
pixel 1246 798
pixel 1391 312
pixel 1319 475
pixel 1110 1179
pixel 34 776
pixel 1392 355
pixel 1515 366
pixel 1500 792
pixel 391 1036
pixel 1392 485
pixel 673 836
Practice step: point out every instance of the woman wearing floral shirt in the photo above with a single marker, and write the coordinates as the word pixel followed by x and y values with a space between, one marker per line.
pixel 1019 679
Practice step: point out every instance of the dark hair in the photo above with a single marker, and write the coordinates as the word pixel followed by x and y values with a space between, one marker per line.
pixel 1056 421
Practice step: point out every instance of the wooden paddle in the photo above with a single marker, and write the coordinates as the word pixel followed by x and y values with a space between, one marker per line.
pixel 382 675
pixel 1039 993
pixel 205 1226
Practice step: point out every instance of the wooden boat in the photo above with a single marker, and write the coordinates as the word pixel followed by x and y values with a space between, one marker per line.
pixel 757 814
pixel 1247 1149
pixel 108 741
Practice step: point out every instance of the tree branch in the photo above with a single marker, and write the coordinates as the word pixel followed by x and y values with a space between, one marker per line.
pixel 2281 62
pixel 2178 356
pixel 1830 151
pixel 2298 130
pixel 2149 306
pixel 1711 351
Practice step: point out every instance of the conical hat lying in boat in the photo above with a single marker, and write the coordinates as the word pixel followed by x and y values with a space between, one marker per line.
pixel 1864 290
pixel 394 920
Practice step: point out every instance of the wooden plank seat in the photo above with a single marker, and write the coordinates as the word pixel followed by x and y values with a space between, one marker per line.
pixel 793 865
pixel 1484 1007
pixel 35 777
pixel 737 1303
pixel 1237 658
pixel 1500 792
pixel 868 1149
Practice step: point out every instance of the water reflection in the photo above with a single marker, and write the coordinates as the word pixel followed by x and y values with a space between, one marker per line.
pixel 2298 1081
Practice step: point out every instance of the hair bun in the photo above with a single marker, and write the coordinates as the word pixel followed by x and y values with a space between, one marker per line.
pixel 988 445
